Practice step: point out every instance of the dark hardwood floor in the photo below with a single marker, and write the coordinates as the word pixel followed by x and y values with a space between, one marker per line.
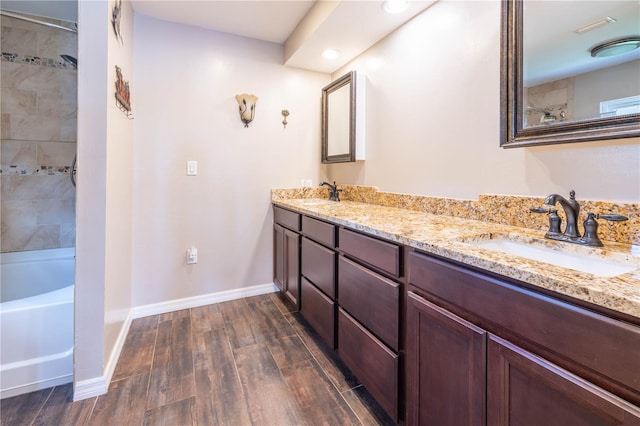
pixel 250 361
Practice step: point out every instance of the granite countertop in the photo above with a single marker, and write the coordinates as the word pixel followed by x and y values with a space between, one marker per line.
pixel 450 237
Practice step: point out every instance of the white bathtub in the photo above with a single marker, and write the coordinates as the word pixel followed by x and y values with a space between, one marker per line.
pixel 36 320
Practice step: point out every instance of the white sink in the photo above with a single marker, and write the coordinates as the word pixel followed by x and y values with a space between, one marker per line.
pixel 576 261
pixel 312 201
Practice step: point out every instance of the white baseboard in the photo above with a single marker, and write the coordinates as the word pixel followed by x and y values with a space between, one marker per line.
pixel 205 299
pixel 99 385
pixel 90 388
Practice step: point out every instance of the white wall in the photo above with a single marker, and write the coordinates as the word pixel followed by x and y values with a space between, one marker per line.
pixel 104 198
pixel 433 120
pixel 186 81
pixel 90 194
pixel 119 187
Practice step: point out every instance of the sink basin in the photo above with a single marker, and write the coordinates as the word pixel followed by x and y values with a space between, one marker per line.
pixel 577 261
pixel 312 201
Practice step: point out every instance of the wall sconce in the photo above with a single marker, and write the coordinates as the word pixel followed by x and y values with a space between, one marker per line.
pixel 247 107
pixel 285 114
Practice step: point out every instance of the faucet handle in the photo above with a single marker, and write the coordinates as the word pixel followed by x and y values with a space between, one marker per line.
pixel 554 220
pixel 612 217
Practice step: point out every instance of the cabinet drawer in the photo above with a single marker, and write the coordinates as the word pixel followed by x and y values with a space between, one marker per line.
pixel 370 360
pixel 601 349
pixel 380 254
pixel 319 311
pixel 286 218
pixel 371 299
pixel 319 266
pixel 320 231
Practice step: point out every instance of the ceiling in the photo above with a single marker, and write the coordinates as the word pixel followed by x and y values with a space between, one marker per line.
pixel 305 28
pixel 553 50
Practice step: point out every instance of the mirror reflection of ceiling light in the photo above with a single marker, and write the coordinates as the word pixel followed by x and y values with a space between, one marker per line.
pixel 595 24
pixel 395 6
pixel 615 47
pixel 330 54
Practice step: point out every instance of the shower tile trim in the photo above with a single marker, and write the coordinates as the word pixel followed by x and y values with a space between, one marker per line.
pixel 36 60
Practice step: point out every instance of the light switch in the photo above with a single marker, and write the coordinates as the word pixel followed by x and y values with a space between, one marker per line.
pixel 192 168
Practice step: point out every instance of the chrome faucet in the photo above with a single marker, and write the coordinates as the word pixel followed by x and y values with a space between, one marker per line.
pixel 572 210
pixel 333 191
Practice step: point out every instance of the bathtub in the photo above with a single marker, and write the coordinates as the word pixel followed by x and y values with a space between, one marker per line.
pixel 36 320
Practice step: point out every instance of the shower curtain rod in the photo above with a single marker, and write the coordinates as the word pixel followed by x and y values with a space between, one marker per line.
pixel 36 21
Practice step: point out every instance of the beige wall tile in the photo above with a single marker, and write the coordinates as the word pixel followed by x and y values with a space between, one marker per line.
pixel 36 188
pixel 19 238
pixel 55 153
pixel 18 213
pixel 15 101
pixel 22 153
pixel 68 234
pixel 14 73
pixel 19 40
pixel 60 105
pixel 55 212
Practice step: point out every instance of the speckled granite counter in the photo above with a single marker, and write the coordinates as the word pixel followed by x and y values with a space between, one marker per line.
pixel 450 237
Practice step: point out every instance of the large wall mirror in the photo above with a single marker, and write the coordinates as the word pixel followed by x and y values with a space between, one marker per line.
pixel 342 118
pixel 570 71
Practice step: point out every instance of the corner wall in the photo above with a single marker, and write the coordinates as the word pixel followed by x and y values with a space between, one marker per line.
pixel 186 82
pixel 104 198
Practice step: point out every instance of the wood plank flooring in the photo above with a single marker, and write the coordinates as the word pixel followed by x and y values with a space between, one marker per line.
pixel 251 361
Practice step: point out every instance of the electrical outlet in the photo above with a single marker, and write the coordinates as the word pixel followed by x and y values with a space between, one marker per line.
pixel 306 183
pixel 192 255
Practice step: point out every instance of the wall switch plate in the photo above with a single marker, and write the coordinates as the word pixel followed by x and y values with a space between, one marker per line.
pixel 192 168
pixel 192 255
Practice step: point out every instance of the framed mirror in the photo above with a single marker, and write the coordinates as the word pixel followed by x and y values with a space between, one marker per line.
pixel 342 118
pixel 569 71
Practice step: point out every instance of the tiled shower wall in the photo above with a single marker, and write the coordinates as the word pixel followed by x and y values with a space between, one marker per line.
pixel 38 136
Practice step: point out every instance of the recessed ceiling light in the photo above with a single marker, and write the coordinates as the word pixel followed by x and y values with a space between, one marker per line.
pixel 615 47
pixel 395 6
pixel 330 54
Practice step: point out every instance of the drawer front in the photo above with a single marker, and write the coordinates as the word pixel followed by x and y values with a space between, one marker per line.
pixel 286 218
pixel 371 299
pixel 320 231
pixel 370 360
pixel 599 348
pixel 380 254
pixel 319 311
pixel 319 266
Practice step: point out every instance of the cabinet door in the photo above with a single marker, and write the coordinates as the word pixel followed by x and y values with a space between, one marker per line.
pixel 292 266
pixel 370 360
pixel 446 367
pixel 524 389
pixel 278 256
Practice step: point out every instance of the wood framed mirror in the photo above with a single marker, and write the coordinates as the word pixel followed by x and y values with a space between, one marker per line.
pixel 540 103
pixel 341 119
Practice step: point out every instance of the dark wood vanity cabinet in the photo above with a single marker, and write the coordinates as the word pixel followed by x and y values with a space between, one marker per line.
pixel 286 253
pixel 446 367
pixel 318 269
pixel 369 315
pixel 481 350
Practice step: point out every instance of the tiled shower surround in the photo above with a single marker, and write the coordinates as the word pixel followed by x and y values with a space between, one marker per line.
pixel 38 136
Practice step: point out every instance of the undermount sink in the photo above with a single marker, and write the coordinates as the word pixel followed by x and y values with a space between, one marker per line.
pixel 583 262
pixel 313 201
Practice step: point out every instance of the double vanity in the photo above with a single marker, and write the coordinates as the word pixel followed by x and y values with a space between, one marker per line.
pixel 452 320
